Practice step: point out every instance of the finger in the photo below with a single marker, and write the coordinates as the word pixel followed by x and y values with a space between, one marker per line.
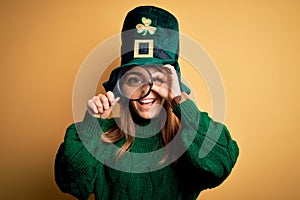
pixel 175 85
pixel 92 107
pixel 159 74
pixel 106 112
pixel 162 91
pixel 169 68
pixel 98 103
pixel 104 101
pixel 110 97
pixel 115 101
pixel 155 88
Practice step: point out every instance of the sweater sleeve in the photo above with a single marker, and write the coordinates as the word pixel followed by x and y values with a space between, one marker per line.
pixel 210 151
pixel 75 167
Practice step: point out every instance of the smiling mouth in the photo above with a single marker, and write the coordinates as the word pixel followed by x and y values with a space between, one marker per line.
pixel 146 101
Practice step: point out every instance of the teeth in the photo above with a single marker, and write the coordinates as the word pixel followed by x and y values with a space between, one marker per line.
pixel 147 101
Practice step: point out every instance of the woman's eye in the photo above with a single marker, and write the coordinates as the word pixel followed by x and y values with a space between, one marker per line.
pixel 134 81
pixel 159 80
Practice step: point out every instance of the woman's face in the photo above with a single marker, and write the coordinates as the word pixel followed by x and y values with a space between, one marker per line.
pixel 151 105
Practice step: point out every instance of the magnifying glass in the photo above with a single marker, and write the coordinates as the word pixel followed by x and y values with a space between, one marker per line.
pixel 134 83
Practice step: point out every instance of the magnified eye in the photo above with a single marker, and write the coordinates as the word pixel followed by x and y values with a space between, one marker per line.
pixel 134 81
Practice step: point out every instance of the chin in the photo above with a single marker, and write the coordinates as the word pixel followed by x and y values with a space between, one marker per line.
pixel 148 116
pixel 145 116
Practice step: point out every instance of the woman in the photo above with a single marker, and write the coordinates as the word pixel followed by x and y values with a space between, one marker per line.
pixel 151 151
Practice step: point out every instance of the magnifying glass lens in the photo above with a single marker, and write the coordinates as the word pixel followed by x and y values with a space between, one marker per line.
pixel 135 83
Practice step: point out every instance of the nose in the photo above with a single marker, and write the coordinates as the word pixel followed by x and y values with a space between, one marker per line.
pixel 145 90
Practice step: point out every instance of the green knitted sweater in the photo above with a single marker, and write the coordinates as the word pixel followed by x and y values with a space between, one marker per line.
pixel 84 165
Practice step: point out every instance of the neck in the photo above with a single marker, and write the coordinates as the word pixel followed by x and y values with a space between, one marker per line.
pixel 146 127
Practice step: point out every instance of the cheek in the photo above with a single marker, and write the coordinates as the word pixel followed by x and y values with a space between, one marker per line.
pixel 134 106
pixel 161 103
pixel 157 108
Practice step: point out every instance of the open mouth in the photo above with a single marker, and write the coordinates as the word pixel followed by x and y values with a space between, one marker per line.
pixel 146 101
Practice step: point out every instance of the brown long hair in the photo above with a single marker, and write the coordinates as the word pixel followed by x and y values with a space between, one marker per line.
pixel 127 125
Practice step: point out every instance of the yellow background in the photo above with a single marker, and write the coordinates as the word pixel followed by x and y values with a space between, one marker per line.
pixel 255 44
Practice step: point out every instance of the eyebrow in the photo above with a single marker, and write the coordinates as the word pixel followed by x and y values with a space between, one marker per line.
pixel 132 73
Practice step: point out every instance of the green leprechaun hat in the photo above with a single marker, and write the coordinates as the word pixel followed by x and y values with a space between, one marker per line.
pixel 150 36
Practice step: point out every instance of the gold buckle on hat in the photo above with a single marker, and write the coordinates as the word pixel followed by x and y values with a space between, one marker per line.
pixel 145 45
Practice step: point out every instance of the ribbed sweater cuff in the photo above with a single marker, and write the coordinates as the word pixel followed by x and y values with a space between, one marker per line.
pixel 187 112
pixel 90 123
pixel 89 127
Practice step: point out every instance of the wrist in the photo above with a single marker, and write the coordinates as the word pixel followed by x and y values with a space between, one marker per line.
pixel 178 99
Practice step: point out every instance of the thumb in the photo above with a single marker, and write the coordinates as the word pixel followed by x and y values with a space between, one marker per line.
pixel 115 101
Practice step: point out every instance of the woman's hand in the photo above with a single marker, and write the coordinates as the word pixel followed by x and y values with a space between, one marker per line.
pixel 101 106
pixel 169 87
